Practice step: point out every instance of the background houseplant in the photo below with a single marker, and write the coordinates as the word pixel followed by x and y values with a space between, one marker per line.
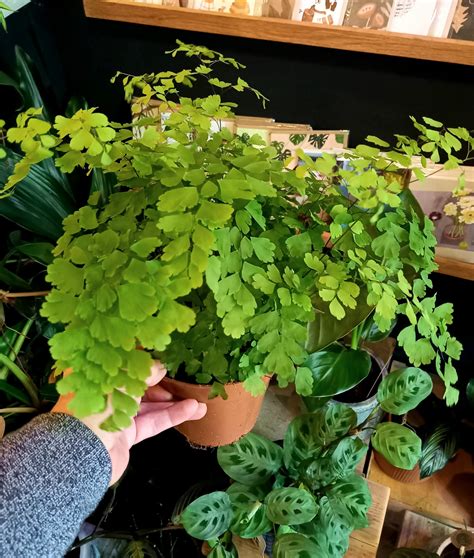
pixel 379 242
pixel 31 219
pixel 351 369
pixel 307 493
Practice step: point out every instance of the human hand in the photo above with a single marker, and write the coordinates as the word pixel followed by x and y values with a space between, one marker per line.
pixel 158 412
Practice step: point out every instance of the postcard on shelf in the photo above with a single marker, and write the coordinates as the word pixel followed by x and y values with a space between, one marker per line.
pixel 330 12
pixel 422 17
pixel 452 214
pixel 282 9
pixel 312 142
pixel 172 3
pixel 235 7
pixel 462 26
pixel 369 15
pixel 265 129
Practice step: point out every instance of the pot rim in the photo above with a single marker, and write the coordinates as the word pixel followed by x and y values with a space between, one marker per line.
pixel 207 386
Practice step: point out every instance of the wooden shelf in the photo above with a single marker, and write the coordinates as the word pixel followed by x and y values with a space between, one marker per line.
pixel 455 268
pixel 285 31
pixel 447 495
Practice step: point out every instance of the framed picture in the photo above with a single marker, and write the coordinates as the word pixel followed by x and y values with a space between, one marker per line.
pixel 452 216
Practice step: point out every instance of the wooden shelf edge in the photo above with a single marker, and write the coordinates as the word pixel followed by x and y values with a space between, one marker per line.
pixel 286 31
pixel 455 268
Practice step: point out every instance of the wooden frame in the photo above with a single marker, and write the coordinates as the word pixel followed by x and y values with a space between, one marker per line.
pixel 286 31
pixel 455 268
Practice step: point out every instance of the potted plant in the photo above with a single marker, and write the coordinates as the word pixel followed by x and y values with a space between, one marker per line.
pixel 204 217
pixel 350 370
pixel 306 492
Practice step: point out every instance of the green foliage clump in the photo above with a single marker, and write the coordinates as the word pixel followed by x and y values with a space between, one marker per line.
pixel 307 492
pixel 215 256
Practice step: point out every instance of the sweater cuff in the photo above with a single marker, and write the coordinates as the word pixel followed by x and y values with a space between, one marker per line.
pixel 54 471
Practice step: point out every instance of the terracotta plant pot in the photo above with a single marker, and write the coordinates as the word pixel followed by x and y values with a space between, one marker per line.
pixel 401 475
pixel 226 420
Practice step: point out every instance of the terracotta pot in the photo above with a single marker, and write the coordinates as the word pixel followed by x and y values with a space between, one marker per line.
pixel 226 420
pixel 401 475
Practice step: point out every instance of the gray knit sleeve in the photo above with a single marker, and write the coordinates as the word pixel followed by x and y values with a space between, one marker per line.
pixel 53 473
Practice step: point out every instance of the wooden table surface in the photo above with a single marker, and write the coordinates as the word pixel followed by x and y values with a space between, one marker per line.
pixel 446 495
pixel 364 542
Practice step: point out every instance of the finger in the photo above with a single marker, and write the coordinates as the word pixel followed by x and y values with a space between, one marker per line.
pixel 150 407
pixel 153 423
pixel 157 393
pixel 157 373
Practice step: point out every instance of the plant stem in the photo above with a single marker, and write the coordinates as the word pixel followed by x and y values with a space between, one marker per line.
pixel 15 350
pixel 7 410
pixel 371 415
pixel 5 295
pixel 355 338
pixel 27 382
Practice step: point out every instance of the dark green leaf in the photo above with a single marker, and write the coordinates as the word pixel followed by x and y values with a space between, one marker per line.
pixel 14 392
pixel 371 332
pixel 38 251
pixel 337 369
pixel 437 449
pixel 325 330
pixel 470 392
pixel 9 81
pixel 38 203
pixel 10 280
pixel 314 403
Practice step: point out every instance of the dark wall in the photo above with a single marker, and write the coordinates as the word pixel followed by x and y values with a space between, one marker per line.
pixel 327 88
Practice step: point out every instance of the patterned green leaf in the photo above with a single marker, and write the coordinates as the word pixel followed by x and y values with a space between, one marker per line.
pixel 252 460
pixel 398 444
pixel 351 498
pixel 295 545
pixel 208 517
pixel 290 506
pixel 331 526
pixel 249 512
pixel 403 390
pixel 337 464
pixel 437 449
pixel 307 434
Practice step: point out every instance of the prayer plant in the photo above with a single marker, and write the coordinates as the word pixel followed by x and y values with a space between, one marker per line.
pixel 307 493
pixel 209 237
